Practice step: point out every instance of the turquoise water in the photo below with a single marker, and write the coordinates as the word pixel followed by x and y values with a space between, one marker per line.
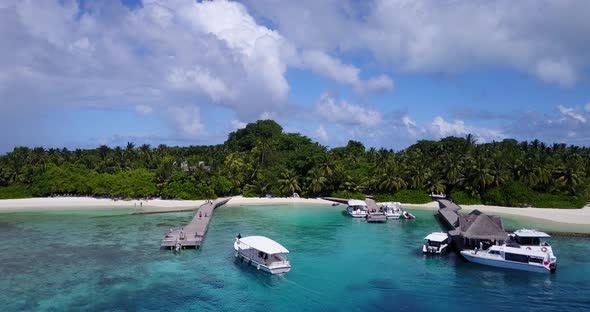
pixel 109 260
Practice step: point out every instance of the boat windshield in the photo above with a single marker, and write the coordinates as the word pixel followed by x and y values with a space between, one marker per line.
pixel 434 244
pixel 532 241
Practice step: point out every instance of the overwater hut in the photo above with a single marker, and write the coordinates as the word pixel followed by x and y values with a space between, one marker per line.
pixel 477 227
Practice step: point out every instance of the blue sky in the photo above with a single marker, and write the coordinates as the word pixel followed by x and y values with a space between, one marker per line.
pixel 384 72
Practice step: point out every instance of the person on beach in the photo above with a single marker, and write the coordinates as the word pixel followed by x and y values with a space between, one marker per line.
pixel 200 215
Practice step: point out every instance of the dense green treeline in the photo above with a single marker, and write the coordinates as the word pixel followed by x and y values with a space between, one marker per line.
pixel 261 159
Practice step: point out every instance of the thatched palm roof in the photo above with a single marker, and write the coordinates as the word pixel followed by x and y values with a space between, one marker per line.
pixel 477 225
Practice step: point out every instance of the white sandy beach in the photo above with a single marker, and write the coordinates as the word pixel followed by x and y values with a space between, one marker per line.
pixel 52 203
pixel 566 216
pixel 240 200
pixel 569 216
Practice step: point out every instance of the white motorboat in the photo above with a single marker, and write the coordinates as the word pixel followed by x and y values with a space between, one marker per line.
pixel 392 210
pixel 533 240
pixel 408 215
pixel 436 243
pixel 438 195
pixel 262 253
pixel 357 208
pixel 512 257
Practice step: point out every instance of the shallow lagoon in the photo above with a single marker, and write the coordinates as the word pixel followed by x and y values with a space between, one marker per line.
pixel 110 260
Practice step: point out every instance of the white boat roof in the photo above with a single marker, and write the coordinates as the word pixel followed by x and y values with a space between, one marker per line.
pixel 530 233
pixel 263 244
pixel 356 202
pixel 437 237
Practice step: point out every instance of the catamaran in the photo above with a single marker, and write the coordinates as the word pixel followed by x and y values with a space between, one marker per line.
pixel 357 208
pixel 392 210
pixel 435 243
pixel 524 251
pixel 263 253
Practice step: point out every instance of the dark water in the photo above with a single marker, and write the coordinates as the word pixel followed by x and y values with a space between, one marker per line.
pixel 108 260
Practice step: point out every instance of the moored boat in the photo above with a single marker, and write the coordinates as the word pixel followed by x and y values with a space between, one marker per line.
pixel 376 217
pixel 263 253
pixel 408 215
pixel 392 210
pixel 512 257
pixel 534 240
pixel 436 243
pixel 357 208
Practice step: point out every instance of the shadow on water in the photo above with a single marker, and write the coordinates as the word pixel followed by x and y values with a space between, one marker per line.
pixel 251 272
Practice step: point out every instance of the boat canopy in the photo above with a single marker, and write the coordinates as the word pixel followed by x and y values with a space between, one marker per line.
pixel 530 233
pixel 437 237
pixel 263 244
pixel 356 202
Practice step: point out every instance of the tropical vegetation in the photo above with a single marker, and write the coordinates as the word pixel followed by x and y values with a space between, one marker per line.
pixel 262 159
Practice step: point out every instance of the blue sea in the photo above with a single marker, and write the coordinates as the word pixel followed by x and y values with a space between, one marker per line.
pixel 109 260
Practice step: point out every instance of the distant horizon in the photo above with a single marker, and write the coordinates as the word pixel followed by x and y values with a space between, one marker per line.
pixel 155 145
pixel 387 73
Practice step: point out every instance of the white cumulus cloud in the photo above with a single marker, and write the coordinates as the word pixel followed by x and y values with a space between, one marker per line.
pixel 569 112
pixel 439 128
pixel 345 113
pixel 328 66
pixel 541 38
pixel 321 133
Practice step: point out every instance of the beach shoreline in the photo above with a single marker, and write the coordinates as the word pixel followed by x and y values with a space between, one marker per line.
pixel 65 203
pixel 564 216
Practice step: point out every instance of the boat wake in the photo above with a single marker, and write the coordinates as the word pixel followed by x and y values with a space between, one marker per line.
pixel 314 292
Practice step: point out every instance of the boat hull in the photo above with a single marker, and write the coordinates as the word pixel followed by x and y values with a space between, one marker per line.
pixel 433 251
pixel 261 266
pixel 503 263
pixel 393 216
pixel 356 215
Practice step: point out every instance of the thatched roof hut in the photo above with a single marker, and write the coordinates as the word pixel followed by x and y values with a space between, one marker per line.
pixel 479 226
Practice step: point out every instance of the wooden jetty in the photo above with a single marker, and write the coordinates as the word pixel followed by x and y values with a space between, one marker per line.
pixel 336 200
pixel 192 234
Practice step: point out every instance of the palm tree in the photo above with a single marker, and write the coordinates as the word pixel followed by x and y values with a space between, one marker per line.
pixel 569 175
pixel 328 165
pixel 146 155
pixel 316 181
pixel 391 183
pixel 288 183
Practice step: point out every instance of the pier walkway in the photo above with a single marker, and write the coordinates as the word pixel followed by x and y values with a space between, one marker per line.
pixel 192 234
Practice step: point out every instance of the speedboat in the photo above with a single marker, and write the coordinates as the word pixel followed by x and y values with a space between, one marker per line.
pixel 392 210
pixel 513 256
pixel 438 195
pixel 262 253
pixel 436 243
pixel 357 208
pixel 408 215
